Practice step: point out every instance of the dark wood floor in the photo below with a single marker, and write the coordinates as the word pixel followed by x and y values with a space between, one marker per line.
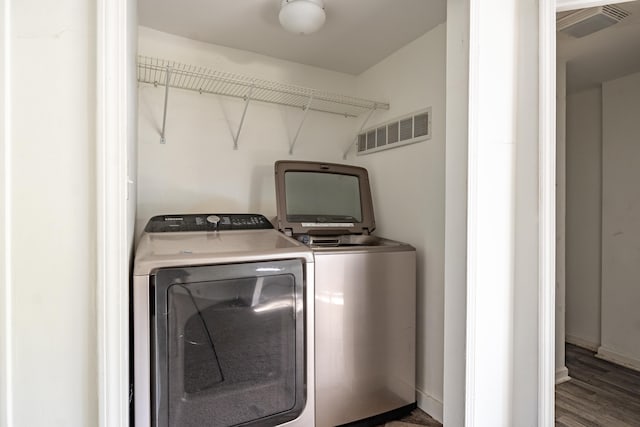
pixel 599 394
pixel 417 417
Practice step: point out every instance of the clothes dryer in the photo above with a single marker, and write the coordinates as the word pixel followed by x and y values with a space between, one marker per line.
pixel 223 324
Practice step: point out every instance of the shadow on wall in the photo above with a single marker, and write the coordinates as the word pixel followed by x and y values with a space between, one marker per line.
pixel 262 189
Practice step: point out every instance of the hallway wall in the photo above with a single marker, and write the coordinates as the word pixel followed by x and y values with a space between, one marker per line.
pixel 583 221
pixel 603 219
pixel 621 221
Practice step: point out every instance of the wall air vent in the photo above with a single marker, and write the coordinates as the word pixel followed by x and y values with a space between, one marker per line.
pixel 414 127
pixel 587 21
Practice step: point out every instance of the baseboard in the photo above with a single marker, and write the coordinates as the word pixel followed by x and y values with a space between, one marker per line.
pixel 572 339
pixel 562 375
pixel 619 359
pixel 430 405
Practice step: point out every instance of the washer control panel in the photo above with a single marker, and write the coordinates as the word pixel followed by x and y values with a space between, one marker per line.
pixel 207 222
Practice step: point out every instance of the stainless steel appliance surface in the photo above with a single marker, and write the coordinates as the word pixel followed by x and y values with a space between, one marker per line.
pixel 365 331
pixel 223 309
pixel 365 294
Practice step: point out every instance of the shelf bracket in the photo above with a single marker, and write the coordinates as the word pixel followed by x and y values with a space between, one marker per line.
pixel 247 98
pixel 346 151
pixel 166 99
pixel 304 116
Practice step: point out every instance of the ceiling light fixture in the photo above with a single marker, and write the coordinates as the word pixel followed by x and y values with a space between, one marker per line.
pixel 302 16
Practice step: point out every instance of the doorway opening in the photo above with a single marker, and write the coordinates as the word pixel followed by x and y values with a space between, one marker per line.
pixel 596 222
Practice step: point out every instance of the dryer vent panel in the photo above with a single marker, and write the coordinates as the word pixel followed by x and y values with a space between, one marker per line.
pixel 409 129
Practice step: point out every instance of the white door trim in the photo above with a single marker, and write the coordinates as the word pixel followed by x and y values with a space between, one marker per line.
pixel 6 405
pixel 112 287
pixel 546 225
pixel 455 274
pixel 491 212
pixel 547 214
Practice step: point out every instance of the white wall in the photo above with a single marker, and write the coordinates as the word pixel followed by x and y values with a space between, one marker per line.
pixel 408 190
pixel 621 221
pixel 197 170
pixel 583 221
pixel 602 219
pixel 49 259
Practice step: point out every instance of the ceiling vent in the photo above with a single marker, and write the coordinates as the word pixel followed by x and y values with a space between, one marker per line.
pixel 587 21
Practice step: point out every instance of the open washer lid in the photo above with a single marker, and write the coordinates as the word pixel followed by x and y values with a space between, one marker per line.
pixel 318 198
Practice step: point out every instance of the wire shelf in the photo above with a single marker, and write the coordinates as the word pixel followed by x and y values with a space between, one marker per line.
pixel 205 80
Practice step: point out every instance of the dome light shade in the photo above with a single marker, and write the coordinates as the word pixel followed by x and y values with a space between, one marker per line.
pixel 302 16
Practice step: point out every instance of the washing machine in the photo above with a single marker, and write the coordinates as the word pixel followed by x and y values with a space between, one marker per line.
pixel 223 315
pixel 365 294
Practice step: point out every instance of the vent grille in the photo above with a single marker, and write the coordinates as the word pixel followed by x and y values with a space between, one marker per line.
pixel 393 133
pixel 615 12
pixel 409 129
pixel 371 140
pixel 588 21
pixel 420 125
pixel 362 142
pixel 381 136
pixel 406 129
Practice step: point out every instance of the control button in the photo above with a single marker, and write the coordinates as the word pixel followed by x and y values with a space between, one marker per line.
pixel 213 219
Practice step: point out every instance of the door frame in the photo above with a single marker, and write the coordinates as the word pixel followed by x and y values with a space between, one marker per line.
pixel 112 246
pixel 548 113
pixel 547 213
pixel 562 6
pixel 6 405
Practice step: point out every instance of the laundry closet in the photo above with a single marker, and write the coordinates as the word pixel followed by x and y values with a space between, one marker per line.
pixel 199 151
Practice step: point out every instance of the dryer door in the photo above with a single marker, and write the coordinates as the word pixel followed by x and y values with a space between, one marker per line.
pixel 229 344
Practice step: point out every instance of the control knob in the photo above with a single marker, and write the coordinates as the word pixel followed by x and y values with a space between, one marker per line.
pixel 213 219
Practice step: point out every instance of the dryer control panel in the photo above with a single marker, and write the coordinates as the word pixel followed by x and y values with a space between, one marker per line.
pixel 207 222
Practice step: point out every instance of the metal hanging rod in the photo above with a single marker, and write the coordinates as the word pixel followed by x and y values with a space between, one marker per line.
pixel 304 116
pixel 247 98
pixel 204 80
pixel 166 100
